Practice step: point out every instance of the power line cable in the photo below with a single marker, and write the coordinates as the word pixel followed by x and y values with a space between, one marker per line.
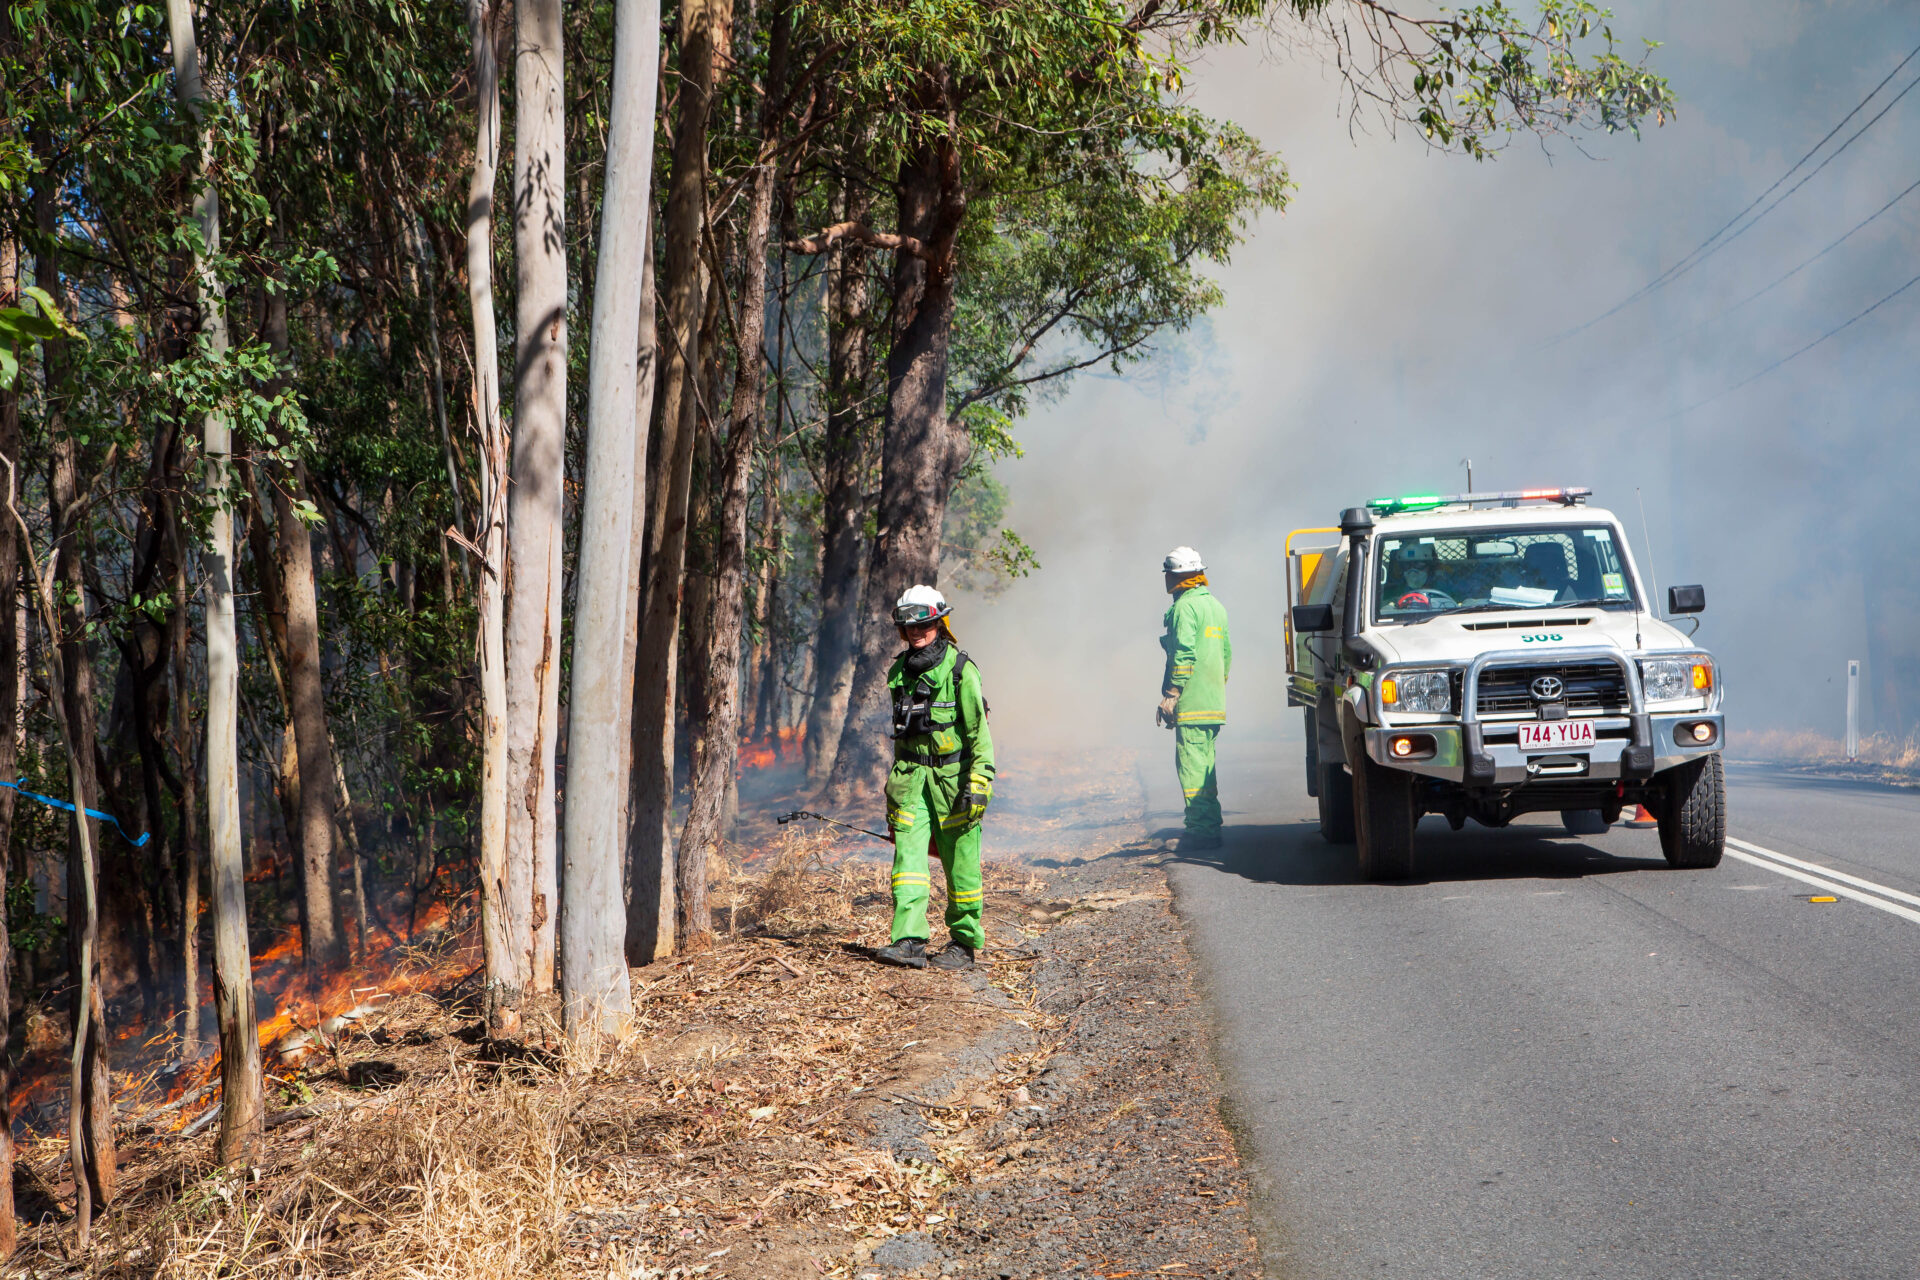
pixel 1784 195
pixel 1831 333
pixel 1713 243
pixel 1780 280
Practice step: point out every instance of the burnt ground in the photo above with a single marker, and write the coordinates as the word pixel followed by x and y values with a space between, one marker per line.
pixel 785 1108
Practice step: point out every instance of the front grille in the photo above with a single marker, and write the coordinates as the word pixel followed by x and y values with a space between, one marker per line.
pixel 1591 687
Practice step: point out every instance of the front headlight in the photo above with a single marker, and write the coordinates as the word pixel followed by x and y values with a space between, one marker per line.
pixel 1421 691
pixel 1665 679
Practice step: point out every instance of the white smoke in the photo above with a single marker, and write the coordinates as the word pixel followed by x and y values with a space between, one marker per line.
pixel 1393 322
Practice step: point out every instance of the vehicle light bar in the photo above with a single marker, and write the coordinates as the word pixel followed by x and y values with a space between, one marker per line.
pixel 1567 497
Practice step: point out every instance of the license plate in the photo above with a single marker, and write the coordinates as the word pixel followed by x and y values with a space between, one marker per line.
pixel 1556 735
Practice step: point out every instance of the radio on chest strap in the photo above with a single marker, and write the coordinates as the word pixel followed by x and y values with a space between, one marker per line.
pixel 913 706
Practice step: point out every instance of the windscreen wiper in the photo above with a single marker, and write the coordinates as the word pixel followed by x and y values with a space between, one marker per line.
pixel 1465 608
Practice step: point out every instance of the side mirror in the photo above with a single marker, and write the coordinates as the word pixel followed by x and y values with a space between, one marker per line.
pixel 1686 599
pixel 1312 617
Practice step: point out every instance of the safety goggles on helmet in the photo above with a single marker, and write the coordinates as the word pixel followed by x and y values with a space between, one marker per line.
pixel 915 615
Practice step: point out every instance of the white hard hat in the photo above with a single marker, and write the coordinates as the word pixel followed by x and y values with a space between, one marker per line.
pixel 1182 560
pixel 919 605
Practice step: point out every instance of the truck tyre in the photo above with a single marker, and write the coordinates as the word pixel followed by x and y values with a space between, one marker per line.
pixel 1384 820
pixel 1336 803
pixel 1313 754
pixel 1693 815
pixel 1584 822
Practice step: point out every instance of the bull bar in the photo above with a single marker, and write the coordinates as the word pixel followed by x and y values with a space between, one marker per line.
pixel 1651 745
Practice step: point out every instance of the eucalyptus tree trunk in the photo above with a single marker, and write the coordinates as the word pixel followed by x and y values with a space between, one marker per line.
pixel 506 885
pixel 326 942
pixel 703 35
pixel 186 841
pixel 596 993
pixel 921 452
pixel 242 1116
pixel 10 710
pixel 756 695
pixel 714 766
pixel 306 699
pixel 843 510
pixel 92 1090
pixel 90 1148
pixel 648 371
pixel 89 1118
pixel 535 499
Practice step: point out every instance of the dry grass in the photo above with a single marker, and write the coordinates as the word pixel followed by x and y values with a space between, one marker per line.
pixel 732 1135
pixel 1803 746
pixel 790 891
pixel 449 1178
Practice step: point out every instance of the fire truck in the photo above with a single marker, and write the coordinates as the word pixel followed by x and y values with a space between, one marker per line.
pixel 1488 655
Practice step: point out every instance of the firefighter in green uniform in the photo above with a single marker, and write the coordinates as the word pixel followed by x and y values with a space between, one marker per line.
pixel 940 784
pixel 1193 690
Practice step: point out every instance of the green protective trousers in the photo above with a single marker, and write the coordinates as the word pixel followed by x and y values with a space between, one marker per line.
pixel 917 810
pixel 1193 761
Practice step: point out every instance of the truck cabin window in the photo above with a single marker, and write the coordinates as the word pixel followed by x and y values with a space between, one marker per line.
pixel 1420 576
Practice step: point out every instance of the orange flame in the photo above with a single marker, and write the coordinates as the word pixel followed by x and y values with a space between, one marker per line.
pixel 299 998
pixel 778 748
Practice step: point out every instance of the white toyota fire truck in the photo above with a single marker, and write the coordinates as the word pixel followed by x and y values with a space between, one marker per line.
pixel 1487 655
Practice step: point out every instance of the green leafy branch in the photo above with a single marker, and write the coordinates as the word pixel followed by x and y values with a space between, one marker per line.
pixel 1469 78
pixel 22 329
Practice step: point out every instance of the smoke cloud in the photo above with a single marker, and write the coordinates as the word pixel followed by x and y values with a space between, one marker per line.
pixel 1396 320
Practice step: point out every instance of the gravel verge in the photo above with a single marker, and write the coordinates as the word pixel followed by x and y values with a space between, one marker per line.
pixel 1113 1159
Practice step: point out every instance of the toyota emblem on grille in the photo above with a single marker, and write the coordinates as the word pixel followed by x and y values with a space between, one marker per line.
pixel 1548 688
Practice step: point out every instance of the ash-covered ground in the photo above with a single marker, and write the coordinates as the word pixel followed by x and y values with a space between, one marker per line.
pixel 785 1107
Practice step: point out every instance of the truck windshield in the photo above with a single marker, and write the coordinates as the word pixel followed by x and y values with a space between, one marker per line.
pixel 1420 576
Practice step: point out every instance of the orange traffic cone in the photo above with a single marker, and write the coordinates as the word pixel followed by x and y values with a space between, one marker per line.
pixel 1641 819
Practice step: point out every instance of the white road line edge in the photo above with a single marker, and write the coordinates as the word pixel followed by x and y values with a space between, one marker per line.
pixel 1839 890
pixel 1869 885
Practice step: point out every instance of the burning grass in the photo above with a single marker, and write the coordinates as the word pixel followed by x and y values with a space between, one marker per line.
pixel 732 1135
pixel 159 1080
pixel 785 746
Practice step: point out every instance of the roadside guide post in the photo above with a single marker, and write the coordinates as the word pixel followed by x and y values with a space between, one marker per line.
pixel 1853 709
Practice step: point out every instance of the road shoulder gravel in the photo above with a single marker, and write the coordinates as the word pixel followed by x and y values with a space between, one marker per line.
pixel 1113 1158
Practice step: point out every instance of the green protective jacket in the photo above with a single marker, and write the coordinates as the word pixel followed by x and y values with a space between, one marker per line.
pixel 960 730
pixel 1199 655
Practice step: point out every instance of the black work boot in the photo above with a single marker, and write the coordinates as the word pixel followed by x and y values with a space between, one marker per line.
pixel 1191 843
pixel 908 953
pixel 955 955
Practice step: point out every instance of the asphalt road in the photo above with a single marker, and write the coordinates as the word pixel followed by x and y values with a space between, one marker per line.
pixel 1552 1056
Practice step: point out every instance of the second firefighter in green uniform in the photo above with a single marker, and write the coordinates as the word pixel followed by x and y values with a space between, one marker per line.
pixel 1193 690
pixel 940 784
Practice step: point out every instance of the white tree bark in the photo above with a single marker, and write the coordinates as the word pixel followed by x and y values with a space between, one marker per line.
pixel 594 987
pixel 539 445
pixel 242 1118
pixel 506 890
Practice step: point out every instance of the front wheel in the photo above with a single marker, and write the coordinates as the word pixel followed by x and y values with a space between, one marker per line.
pixel 1383 820
pixel 1335 794
pixel 1693 813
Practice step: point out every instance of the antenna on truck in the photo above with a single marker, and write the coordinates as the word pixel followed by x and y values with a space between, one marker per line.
pixel 1646 536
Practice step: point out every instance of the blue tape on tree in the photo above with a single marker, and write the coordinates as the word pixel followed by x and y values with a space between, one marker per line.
pixel 91 813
